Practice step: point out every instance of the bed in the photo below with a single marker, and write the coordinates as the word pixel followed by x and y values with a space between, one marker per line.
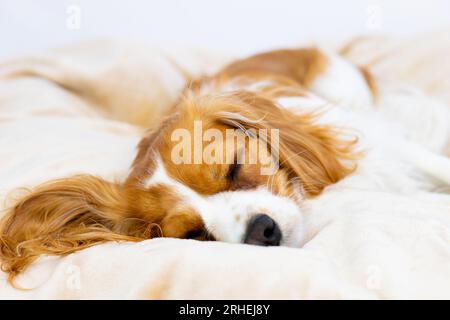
pixel 83 109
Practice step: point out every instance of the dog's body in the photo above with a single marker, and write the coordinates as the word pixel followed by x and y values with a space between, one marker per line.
pixel 336 129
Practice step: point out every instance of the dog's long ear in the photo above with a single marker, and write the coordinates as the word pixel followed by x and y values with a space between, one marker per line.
pixel 299 65
pixel 144 162
pixel 317 154
pixel 63 216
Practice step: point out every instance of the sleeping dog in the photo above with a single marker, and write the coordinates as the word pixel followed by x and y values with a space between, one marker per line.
pixel 238 158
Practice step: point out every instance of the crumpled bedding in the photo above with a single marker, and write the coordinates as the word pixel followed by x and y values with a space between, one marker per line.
pixel 82 109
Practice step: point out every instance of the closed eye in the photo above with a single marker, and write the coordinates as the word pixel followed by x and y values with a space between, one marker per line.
pixel 194 234
pixel 233 171
pixel 199 235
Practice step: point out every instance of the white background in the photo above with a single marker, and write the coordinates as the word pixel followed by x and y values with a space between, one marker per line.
pixel 234 26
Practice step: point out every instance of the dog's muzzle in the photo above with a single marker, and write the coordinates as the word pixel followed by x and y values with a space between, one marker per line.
pixel 262 230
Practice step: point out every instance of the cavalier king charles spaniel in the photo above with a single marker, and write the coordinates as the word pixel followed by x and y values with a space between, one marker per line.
pixel 236 159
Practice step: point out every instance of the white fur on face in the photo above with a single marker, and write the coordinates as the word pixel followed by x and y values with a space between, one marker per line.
pixel 236 208
pixel 226 214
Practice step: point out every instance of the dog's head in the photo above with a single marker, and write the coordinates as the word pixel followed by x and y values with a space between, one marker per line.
pixel 235 167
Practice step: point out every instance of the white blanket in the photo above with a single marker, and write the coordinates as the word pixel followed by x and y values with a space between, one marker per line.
pixel 83 109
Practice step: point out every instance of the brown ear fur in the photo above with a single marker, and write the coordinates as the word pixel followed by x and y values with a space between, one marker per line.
pixel 317 154
pixel 300 65
pixel 64 216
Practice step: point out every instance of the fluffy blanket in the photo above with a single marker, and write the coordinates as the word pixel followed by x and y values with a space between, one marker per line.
pixel 82 109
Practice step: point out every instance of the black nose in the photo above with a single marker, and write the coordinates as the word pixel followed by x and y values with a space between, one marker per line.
pixel 262 230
